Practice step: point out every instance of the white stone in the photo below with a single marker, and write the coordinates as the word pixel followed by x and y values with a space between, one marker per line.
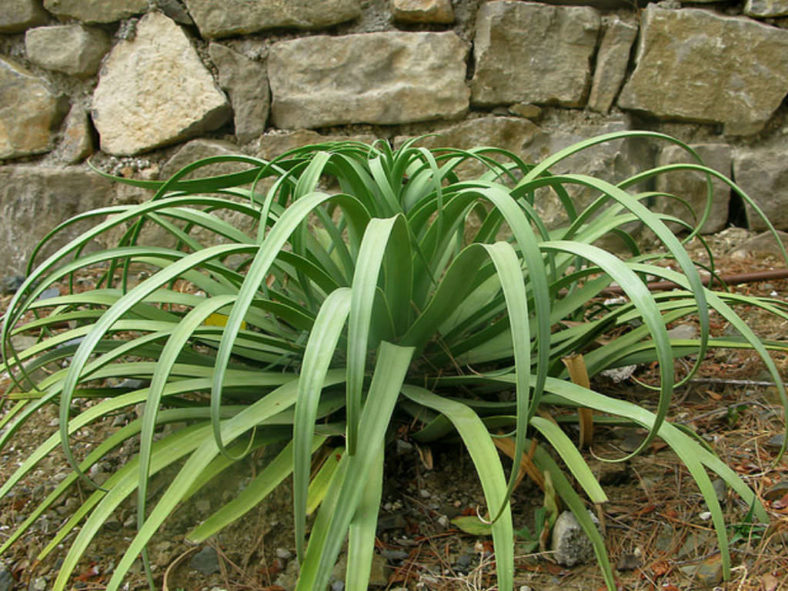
pixel 154 90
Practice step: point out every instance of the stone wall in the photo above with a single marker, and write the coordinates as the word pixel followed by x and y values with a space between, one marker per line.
pixel 140 86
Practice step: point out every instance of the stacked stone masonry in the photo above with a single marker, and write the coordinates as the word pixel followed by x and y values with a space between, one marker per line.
pixel 142 86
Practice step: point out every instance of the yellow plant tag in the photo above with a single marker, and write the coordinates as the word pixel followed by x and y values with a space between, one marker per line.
pixel 220 320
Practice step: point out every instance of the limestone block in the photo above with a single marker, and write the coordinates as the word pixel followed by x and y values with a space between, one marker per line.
pixel 611 64
pixel 763 175
pixel 612 161
pixel 422 11
pixel 198 149
pixel 533 52
pixel 71 49
pixel 246 82
pixel 766 8
pixel 96 11
pixel 29 111
pixel 77 141
pixel 18 15
pixel 276 143
pixel 526 110
pixel 384 78
pixel 240 17
pixel 602 4
pixel 515 134
pixel 692 186
pixel 154 90
pixel 34 199
pixel 176 11
pixel 696 65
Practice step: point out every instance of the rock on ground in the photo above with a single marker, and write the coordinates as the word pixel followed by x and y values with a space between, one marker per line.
pixel 533 52
pixel 239 17
pixel 96 11
pixel 692 186
pixel 611 64
pixel 383 78
pixel 18 15
pixel 34 199
pixel 71 49
pixel 29 110
pixel 571 545
pixel 246 81
pixel 422 11
pixel 154 90
pixel 763 175
pixel 762 244
pixel 695 65
pixel 205 561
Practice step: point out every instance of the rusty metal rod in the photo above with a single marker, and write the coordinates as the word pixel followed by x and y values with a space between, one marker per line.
pixel 733 279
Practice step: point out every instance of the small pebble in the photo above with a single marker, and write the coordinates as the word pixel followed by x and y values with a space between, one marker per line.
pixel 443 521
pixel 283 553
pixel 424 493
pixel 393 555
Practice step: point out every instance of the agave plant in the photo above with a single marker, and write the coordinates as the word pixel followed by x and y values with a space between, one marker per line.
pixel 375 284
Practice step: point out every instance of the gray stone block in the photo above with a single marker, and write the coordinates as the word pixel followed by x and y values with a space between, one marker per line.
pixel 383 78
pixel 696 65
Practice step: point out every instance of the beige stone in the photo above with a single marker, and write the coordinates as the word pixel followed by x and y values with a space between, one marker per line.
pixel 761 244
pixel 422 11
pixel 611 64
pixel 696 65
pixel 71 49
pixel 34 199
pixel 692 186
pixel 277 143
pixel 154 91
pixel 29 111
pixel 766 8
pixel 77 141
pixel 514 134
pixel 240 17
pixel 534 53
pixel 96 11
pixel 18 15
pixel 198 149
pixel 763 175
pixel 383 78
pixel 246 82
pixel 526 110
